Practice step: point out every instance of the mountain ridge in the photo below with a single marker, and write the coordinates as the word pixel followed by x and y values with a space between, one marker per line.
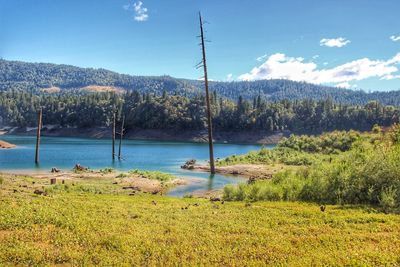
pixel 19 75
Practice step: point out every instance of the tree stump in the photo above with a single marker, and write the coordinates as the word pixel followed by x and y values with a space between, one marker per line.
pixel 53 181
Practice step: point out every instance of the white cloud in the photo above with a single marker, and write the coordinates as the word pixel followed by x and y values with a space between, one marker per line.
pixel 261 58
pixel 390 77
pixel 229 77
pixel 315 57
pixel 335 42
pixel 395 38
pixel 344 85
pixel 139 10
pixel 280 66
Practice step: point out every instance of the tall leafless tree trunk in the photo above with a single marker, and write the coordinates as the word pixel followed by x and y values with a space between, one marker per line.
pixel 121 134
pixel 209 115
pixel 38 136
pixel 113 137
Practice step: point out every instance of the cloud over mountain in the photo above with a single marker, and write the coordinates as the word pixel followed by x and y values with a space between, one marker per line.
pixel 280 66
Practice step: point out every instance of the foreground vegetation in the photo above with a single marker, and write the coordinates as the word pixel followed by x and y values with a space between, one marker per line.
pixel 335 168
pixel 106 227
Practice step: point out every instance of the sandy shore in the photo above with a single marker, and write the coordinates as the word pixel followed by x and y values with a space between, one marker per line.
pixel 126 181
pixel 251 171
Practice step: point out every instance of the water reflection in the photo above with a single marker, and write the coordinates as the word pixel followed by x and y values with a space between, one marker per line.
pixel 211 181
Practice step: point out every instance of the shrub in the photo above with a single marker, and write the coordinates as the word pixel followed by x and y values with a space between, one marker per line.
pixel 107 170
pixel 269 192
pixel 326 143
pixel 155 175
pixel 122 175
pixel 376 129
pixel 394 133
pixel 388 198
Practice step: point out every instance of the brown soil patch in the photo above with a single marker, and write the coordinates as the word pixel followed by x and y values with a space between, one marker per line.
pixel 51 90
pixel 252 171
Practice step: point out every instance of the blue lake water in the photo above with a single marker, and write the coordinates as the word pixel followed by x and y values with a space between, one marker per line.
pixel 64 153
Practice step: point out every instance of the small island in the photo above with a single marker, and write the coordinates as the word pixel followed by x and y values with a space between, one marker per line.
pixel 5 145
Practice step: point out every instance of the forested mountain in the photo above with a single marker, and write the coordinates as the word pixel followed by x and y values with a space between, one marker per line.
pixel 39 76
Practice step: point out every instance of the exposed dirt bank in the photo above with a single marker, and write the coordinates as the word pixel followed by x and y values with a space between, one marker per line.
pixel 251 171
pixel 244 137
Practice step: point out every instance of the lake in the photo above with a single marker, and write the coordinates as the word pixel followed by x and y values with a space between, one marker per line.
pixel 65 152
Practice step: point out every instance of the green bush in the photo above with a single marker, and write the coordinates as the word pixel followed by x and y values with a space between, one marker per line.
pixel 388 198
pixel 394 133
pixel 122 175
pixel 326 143
pixel 107 170
pixel 155 175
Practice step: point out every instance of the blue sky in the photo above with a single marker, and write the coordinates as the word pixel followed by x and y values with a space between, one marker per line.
pixel 335 42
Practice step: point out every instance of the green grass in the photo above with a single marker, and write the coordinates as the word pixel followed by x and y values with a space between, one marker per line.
pixel 83 227
pixel 154 175
pixel 278 155
pixel 302 150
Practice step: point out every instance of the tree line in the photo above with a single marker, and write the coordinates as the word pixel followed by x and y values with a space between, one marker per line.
pixel 173 111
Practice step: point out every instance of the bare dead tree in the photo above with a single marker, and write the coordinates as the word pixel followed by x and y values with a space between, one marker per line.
pixel 38 135
pixel 121 135
pixel 209 114
pixel 113 137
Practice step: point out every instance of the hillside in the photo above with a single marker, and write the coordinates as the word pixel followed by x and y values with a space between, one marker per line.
pixel 46 77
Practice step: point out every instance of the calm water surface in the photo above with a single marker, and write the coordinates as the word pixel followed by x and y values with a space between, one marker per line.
pixel 64 153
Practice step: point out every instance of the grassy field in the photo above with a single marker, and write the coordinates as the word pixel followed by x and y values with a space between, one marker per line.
pixel 106 227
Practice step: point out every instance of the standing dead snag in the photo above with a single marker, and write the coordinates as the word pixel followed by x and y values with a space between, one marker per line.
pixel 38 135
pixel 121 134
pixel 209 115
pixel 113 137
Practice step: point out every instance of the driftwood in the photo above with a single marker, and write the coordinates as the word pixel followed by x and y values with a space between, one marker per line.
pixel 40 192
pixel 55 170
pixel 80 168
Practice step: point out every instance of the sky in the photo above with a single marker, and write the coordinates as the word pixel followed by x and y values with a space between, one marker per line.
pixel 344 43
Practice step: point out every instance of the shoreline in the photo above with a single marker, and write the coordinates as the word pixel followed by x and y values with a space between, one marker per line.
pixel 196 136
pixel 125 181
pixel 252 172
